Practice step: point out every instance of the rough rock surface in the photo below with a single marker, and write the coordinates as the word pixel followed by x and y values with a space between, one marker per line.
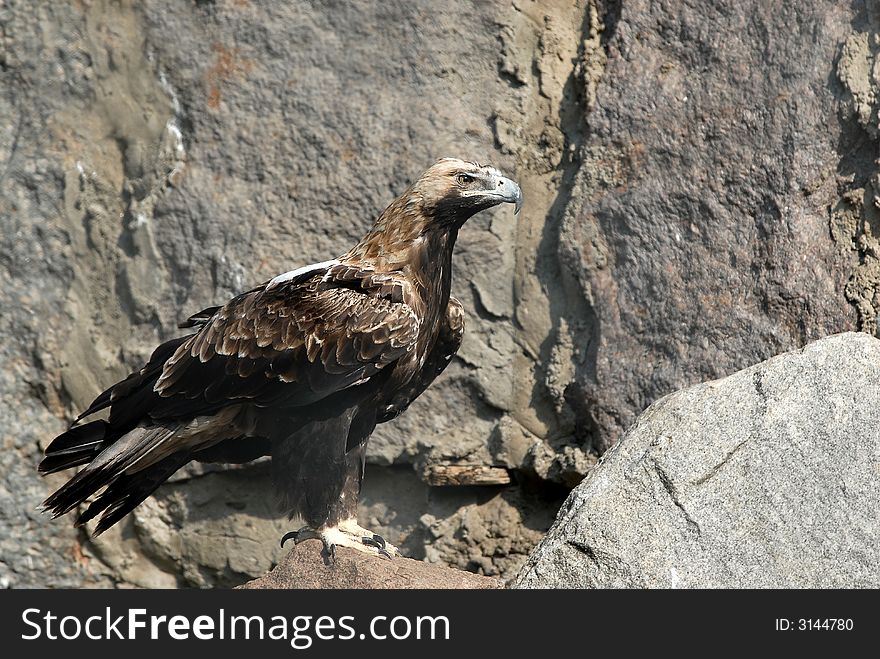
pixel 767 478
pixel 682 165
pixel 696 241
pixel 305 567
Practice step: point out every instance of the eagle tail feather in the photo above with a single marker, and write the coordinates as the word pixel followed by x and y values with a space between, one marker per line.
pixel 126 467
pixel 76 447
pixel 128 491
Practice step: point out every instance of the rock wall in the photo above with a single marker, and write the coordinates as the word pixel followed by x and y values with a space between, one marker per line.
pixel 697 237
pixel 699 183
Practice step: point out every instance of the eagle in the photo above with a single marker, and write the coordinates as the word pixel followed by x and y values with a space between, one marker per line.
pixel 301 368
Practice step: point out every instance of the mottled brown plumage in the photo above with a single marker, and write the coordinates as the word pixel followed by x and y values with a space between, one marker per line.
pixel 301 368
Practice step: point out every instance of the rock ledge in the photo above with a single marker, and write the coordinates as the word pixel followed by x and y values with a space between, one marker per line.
pixel 304 567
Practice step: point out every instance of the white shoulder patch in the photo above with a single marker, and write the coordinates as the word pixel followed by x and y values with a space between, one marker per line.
pixel 293 274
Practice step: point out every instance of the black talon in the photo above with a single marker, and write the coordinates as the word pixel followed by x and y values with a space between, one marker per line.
pixel 290 535
pixel 376 541
pixel 305 533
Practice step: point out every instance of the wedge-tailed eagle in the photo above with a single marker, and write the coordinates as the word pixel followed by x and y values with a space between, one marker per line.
pixel 300 368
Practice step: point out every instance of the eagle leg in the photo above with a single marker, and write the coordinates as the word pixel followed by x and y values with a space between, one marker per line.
pixel 347 534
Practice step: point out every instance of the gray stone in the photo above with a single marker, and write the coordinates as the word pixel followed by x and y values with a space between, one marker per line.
pixel 767 478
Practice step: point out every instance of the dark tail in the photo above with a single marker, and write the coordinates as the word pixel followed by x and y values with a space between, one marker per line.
pixel 122 495
pixel 122 465
pixel 113 447
pixel 77 446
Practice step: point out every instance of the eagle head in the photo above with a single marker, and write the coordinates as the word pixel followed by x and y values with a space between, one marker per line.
pixel 453 190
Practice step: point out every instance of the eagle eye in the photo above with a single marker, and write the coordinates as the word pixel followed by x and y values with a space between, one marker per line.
pixel 464 179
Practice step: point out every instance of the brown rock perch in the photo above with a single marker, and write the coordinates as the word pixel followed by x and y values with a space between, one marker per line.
pixel 304 567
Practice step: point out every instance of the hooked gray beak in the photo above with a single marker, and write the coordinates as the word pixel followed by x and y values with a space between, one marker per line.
pixel 510 193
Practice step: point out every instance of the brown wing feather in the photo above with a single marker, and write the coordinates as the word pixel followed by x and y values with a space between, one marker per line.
pixel 300 340
pixel 449 337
